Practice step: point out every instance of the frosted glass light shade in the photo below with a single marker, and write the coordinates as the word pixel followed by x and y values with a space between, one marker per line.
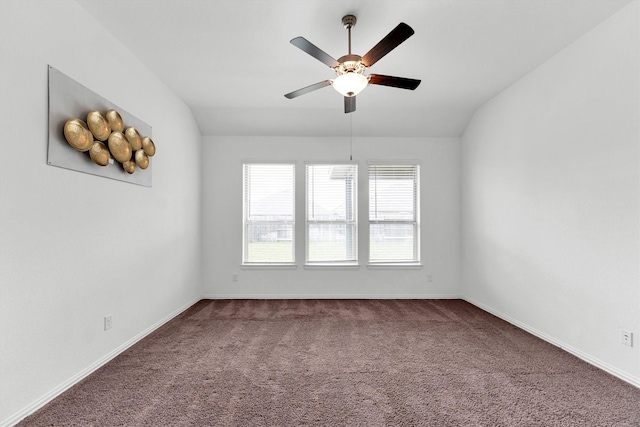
pixel 350 84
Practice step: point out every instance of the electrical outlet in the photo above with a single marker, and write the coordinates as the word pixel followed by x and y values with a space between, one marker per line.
pixel 626 337
pixel 234 278
pixel 430 278
pixel 107 322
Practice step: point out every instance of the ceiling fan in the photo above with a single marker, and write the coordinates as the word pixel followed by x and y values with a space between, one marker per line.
pixel 350 68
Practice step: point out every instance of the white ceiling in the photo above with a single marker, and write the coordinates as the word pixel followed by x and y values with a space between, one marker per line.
pixel 232 63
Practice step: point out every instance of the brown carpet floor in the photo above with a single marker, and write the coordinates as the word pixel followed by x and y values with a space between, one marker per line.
pixel 343 363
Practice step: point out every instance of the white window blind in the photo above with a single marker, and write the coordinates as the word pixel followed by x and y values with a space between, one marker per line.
pixel 268 213
pixel 331 213
pixel 394 213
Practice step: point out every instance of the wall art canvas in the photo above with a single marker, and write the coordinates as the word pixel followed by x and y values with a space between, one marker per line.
pixel 119 148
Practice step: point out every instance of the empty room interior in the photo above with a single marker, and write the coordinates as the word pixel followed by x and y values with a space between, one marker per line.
pixel 486 186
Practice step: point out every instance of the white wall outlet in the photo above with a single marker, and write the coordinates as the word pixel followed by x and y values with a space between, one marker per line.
pixel 429 277
pixel 234 277
pixel 626 337
pixel 107 322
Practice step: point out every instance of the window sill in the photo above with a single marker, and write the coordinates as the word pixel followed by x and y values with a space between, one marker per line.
pixel 395 266
pixel 331 267
pixel 269 267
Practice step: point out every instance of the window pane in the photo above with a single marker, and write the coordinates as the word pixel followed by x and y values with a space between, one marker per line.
pixel 332 242
pixel 269 213
pixel 331 213
pixel 269 189
pixel 330 192
pixel 393 192
pixel 392 242
pixel 269 243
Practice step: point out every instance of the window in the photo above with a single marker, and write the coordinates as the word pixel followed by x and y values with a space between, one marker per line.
pixel 331 214
pixel 394 212
pixel 268 213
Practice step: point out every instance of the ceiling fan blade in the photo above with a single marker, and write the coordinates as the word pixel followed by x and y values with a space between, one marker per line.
pixel 387 44
pixel 349 104
pixel 315 51
pixel 308 89
pixel 400 82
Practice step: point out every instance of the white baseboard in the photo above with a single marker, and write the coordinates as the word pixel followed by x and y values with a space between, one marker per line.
pixel 48 397
pixel 331 296
pixel 576 352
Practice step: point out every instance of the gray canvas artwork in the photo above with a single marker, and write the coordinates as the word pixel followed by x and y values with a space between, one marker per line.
pixel 69 99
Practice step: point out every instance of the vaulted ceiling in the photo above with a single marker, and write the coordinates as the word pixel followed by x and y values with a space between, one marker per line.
pixel 232 63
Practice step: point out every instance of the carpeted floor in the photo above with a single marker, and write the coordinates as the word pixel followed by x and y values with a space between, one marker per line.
pixel 343 363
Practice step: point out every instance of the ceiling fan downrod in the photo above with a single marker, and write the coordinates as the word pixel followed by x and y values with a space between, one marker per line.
pixel 349 21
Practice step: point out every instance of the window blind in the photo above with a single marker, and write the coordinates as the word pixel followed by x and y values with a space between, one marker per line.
pixel 394 213
pixel 331 213
pixel 269 206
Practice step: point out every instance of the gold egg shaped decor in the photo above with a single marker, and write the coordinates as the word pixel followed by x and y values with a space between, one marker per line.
pixel 148 146
pixel 134 138
pixel 142 160
pixel 119 147
pixel 129 166
pixel 99 153
pixel 115 121
pixel 78 135
pixel 98 125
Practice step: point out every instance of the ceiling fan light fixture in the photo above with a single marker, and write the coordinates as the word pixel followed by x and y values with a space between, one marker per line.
pixel 350 84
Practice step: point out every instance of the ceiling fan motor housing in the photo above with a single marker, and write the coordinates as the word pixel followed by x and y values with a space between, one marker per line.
pixel 350 64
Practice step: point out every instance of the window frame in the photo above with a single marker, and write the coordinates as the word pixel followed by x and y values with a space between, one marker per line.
pixel 353 223
pixel 246 222
pixel 414 222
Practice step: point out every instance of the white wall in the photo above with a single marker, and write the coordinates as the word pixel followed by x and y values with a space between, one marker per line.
pixel 222 219
pixel 75 247
pixel 551 198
